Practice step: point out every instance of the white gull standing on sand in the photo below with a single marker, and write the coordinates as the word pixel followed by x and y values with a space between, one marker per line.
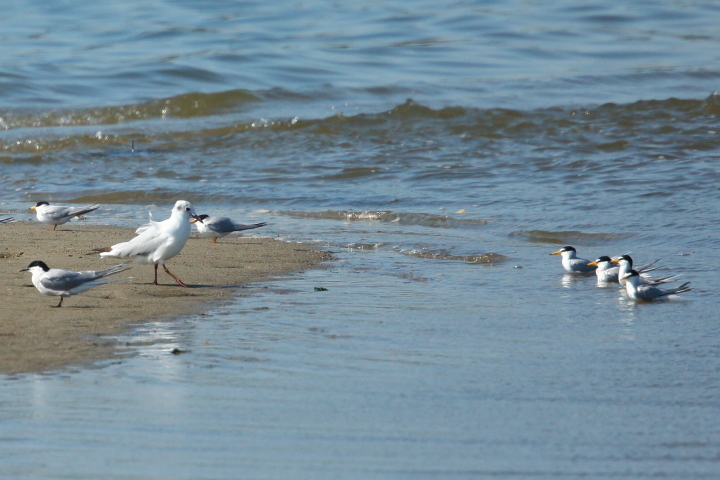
pixel 159 241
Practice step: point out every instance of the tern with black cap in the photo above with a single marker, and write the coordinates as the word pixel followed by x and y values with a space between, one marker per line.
pixel 639 291
pixel 66 283
pixel 218 227
pixel 571 263
pixel 58 215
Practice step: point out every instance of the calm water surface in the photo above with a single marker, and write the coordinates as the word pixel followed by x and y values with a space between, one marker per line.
pixel 441 151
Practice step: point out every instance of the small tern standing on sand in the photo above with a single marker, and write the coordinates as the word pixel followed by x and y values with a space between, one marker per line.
pixel 158 241
pixel 217 227
pixel 571 263
pixel 58 215
pixel 66 283
pixel 638 291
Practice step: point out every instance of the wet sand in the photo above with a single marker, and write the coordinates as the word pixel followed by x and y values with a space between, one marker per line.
pixel 35 337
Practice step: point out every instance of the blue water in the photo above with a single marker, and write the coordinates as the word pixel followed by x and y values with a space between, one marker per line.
pixel 441 152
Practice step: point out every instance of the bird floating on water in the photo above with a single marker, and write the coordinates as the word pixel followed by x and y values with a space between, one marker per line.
pixel 639 291
pixel 625 264
pixel 606 272
pixel 571 263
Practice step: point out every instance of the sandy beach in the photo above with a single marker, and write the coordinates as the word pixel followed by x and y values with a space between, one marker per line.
pixel 35 337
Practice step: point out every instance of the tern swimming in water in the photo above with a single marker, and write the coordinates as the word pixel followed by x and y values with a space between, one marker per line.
pixel 606 272
pixel 625 264
pixel 571 263
pixel 638 291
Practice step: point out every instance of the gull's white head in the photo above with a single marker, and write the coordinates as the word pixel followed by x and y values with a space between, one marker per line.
pixel 184 209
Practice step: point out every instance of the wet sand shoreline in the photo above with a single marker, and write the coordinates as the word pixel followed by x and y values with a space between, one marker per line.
pixel 35 337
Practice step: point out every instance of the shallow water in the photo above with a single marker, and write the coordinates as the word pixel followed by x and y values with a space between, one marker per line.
pixel 441 154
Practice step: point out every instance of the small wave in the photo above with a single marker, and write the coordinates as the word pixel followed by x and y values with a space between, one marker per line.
pixel 409 276
pixel 351 173
pixel 485 258
pixel 180 106
pixel 568 237
pixel 365 246
pixel 154 197
pixel 577 132
pixel 657 194
pixel 387 216
pixel 410 109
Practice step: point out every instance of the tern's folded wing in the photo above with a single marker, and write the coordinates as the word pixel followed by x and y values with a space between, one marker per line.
pixel 220 224
pixel 237 227
pixel 64 280
pixel 56 213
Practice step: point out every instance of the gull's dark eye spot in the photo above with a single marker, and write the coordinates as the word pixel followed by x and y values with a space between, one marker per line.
pixel 187 209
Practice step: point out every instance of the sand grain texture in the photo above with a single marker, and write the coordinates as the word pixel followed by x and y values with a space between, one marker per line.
pixel 35 337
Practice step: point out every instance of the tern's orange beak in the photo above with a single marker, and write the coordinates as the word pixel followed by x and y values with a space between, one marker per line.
pixel 33 207
pixel 556 253
pixel 592 263
pixel 615 260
